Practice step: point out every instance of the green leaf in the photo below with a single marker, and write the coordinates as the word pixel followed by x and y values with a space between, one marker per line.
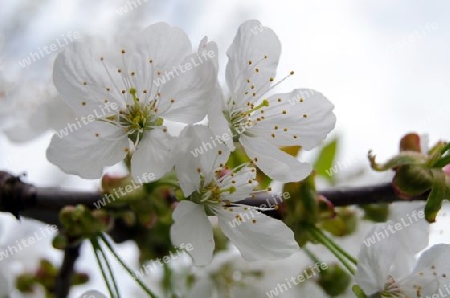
pixel 445 160
pixel 437 195
pixel 402 159
pixel 325 161
pixel 445 149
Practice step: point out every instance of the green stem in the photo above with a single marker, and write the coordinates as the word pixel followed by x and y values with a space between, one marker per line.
pixel 111 274
pixel 125 266
pixel 95 246
pixel 340 249
pixel 324 241
pixel 310 254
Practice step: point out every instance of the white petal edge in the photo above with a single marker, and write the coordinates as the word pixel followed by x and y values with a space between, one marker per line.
pixel 88 150
pixel 274 162
pixel 258 236
pixel 153 157
pixel 197 148
pixel 192 226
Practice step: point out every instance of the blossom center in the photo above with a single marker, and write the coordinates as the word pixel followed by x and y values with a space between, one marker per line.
pixel 138 118
pixel 210 194
pixel 242 119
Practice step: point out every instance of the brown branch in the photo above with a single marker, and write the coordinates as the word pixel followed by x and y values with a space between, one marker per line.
pixel 43 204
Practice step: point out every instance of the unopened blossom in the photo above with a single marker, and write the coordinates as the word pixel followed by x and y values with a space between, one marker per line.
pixel 383 272
pixel 129 89
pixel 263 123
pixel 217 192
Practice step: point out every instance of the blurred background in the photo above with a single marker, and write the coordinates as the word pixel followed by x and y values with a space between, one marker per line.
pixel 384 64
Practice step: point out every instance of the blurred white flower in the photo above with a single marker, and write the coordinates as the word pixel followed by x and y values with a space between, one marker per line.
pixel 126 90
pixel 18 254
pixel 32 119
pixel 27 113
pixel 227 276
pixel 411 217
pixel 230 276
pixel 262 124
pixel 381 271
pixel 6 103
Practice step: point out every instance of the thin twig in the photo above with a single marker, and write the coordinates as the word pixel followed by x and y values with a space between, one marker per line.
pixel 65 274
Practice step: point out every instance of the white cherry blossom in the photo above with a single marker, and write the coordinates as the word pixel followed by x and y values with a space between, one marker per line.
pixel 217 191
pixel 263 123
pixel 128 89
pixel 383 271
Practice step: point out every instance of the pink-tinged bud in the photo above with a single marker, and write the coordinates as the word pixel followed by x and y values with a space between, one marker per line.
pixel 112 181
pixel 446 170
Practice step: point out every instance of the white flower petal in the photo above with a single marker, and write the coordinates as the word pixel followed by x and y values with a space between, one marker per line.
pixel 435 258
pixel 211 47
pixel 274 162
pixel 375 261
pixel 432 273
pixel 165 45
pixel 414 236
pixel 51 114
pixel 216 119
pixel 86 151
pixel 193 227
pixel 159 49
pixel 185 96
pixel 198 149
pixel 253 42
pixel 303 117
pixel 83 80
pixel 257 236
pixel 153 156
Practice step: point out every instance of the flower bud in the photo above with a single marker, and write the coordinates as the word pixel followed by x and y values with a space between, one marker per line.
pixel 344 223
pixel 334 281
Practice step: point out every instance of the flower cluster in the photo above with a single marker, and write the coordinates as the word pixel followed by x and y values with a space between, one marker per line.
pixel 145 82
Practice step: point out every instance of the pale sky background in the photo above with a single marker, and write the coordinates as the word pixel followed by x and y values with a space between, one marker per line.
pixel 384 64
